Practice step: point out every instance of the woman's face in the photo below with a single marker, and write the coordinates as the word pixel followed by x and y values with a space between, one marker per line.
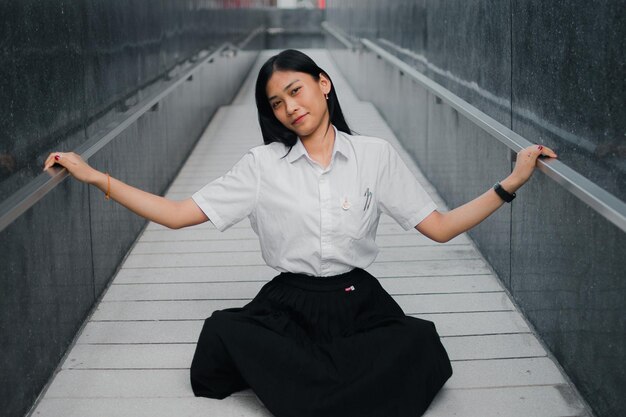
pixel 298 101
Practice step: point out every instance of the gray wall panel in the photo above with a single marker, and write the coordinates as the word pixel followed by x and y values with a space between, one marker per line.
pixel 40 105
pixel 569 87
pixel 132 158
pixel 568 276
pixel 463 162
pixel 47 289
pixel 464 46
pixel 468 51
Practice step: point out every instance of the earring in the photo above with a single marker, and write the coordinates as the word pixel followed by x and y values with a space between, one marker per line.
pixel 326 95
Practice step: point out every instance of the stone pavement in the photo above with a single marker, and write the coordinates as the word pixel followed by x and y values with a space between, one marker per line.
pixel 132 357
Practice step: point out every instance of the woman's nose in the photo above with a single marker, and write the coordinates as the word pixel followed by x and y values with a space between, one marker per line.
pixel 291 106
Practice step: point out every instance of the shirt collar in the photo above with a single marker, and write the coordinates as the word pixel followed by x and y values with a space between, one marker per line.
pixel 341 146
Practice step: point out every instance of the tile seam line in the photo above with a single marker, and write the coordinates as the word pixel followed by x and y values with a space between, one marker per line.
pixel 239 265
pixel 430 313
pixel 456 245
pixel 511 358
pixel 243 394
pixel 398 294
pixel 267 280
pixel 148 300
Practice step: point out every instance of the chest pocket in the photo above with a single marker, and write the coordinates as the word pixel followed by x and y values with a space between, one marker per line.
pixel 355 221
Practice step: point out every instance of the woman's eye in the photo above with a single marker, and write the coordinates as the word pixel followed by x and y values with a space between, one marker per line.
pixel 275 104
pixel 295 90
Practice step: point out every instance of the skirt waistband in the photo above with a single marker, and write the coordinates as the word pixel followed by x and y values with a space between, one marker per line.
pixel 332 283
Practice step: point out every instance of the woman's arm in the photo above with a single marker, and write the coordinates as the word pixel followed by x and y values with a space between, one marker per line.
pixel 442 227
pixel 169 213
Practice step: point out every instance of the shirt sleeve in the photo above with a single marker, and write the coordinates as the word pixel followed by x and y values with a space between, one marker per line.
pixel 233 196
pixel 400 195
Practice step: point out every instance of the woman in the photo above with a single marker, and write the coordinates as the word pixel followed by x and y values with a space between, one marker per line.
pixel 322 338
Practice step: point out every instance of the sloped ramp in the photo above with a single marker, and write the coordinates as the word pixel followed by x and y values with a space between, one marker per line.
pixel 132 357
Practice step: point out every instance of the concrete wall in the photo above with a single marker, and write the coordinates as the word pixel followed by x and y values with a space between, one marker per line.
pixel 552 72
pixel 68 72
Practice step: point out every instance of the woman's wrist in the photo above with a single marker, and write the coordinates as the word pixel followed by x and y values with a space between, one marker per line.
pixel 511 184
pixel 97 178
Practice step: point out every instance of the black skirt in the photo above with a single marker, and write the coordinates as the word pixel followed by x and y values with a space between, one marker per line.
pixel 322 346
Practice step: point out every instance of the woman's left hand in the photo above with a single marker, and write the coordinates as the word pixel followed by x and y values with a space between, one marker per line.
pixel 527 161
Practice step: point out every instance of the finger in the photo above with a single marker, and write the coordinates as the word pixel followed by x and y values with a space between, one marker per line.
pixel 545 151
pixel 537 151
pixel 45 163
pixel 53 158
pixel 540 150
pixel 49 161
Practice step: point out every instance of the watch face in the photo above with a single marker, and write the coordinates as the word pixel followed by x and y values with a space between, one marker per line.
pixel 505 195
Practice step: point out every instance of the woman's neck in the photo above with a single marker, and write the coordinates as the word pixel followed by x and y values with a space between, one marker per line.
pixel 320 145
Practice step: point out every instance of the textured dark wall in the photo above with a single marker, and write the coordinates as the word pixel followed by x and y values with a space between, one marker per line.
pixel 41 85
pixel 552 72
pixel 568 83
pixel 65 63
pixel 68 72
pixel 555 66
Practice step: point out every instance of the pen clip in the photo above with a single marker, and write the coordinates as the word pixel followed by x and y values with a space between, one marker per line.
pixel 368 198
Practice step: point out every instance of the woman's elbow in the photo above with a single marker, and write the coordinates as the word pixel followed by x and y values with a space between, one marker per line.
pixel 436 236
pixel 442 238
pixel 434 228
pixel 179 223
pixel 174 226
pixel 171 224
pixel 187 213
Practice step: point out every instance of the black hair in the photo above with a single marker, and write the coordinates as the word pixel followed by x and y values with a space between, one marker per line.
pixel 291 60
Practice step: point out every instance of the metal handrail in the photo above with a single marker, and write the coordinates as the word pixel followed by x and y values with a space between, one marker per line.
pixel 341 37
pixel 27 196
pixel 251 36
pixel 603 202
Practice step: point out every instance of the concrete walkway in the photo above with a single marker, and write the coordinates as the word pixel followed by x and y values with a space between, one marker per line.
pixel 133 355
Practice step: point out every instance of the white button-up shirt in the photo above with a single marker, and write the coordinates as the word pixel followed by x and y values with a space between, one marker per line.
pixel 312 220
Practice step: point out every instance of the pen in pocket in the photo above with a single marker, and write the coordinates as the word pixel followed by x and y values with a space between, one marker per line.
pixel 368 198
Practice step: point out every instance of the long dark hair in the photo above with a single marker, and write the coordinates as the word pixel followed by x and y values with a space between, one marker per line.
pixel 291 60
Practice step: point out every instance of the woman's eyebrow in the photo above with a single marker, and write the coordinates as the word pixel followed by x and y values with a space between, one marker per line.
pixel 288 85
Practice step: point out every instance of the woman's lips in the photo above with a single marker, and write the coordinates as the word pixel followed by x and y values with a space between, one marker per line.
pixel 298 120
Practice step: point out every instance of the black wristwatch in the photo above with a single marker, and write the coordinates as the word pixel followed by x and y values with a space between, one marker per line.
pixel 504 194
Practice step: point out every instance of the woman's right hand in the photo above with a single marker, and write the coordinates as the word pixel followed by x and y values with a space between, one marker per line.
pixel 74 165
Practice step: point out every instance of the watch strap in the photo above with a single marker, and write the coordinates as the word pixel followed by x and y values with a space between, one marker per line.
pixel 503 194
